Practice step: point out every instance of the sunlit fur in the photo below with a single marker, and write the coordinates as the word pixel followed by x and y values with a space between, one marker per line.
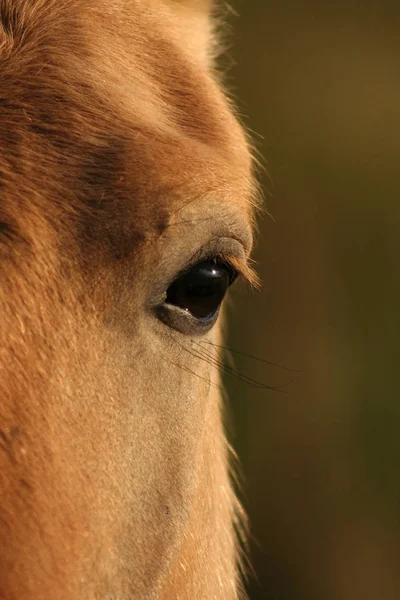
pixel 119 160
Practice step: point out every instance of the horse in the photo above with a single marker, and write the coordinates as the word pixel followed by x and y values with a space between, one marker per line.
pixel 127 202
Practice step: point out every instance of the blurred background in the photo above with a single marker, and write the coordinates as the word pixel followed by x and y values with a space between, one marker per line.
pixel 319 85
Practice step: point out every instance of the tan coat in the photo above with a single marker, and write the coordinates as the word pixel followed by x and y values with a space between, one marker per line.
pixel 121 166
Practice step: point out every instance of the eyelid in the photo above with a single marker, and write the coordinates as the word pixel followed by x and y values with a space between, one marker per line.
pixel 227 249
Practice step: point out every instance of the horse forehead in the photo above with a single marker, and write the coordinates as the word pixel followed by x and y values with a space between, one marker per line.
pixel 135 113
pixel 179 129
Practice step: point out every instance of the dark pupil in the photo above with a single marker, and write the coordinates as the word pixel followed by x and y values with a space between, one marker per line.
pixel 202 289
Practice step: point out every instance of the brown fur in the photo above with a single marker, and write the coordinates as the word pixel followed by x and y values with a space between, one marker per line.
pixel 119 161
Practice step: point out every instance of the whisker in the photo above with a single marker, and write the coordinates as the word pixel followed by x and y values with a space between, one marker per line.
pixel 184 368
pixel 216 361
pixel 251 356
pixel 233 372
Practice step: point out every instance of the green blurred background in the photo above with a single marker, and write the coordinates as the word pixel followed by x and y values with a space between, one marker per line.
pixel 319 84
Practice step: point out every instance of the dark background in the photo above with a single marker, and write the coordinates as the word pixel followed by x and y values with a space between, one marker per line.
pixel 319 84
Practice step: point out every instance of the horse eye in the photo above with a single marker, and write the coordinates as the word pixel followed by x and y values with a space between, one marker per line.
pixel 201 290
